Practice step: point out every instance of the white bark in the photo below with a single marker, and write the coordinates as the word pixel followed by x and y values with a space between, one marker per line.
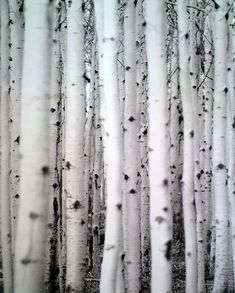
pixel 32 225
pixel 16 52
pixel 112 146
pixel 188 167
pixel 174 131
pixel 219 148
pixel 122 264
pixel 208 93
pixel 6 231
pixel 99 24
pixel 97 177
pixel 54 244
pixel 231 137
pixel 142 89
pixel 131 196
pixel 63 41
pixel 74 143
pixel 194 78
pixel 160 208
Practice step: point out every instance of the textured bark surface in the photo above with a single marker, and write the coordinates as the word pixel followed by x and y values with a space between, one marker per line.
pixel 6 232
pixel 188 147
pixel 219 149
pixel 74 144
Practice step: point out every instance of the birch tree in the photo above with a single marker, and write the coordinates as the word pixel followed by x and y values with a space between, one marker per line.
pixel 231 133
pixel 188 145
pixel 131 195
pixel 112 143
pixel 16 54
pixel 98 123
pixel 32 225
pixel 160 208
pixel 55 209
pixel 194 79
pixel 208 93
pixel 74 143
pixel 219 147
pixel 6 232
pixel 142 117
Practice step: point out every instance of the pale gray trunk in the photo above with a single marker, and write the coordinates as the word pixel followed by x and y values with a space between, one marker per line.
pixel 159 163
pixel 6 228
pixel 131 195
pixel 34 148
pixel 219 148
pixel 16 52
pixel 74 144
pixel 188 146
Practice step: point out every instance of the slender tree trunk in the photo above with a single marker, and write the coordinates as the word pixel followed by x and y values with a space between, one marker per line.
pixel 62 27
pixel 131 196
pixel 160 207
pixel 112 145
pixel 175 121
pixel 16 52
pixel 74 157
pixel 194 78
pixel 208 110
pixel 6 231
pixel 34 184
pixel 188 166
pixel 231 136
pixel 121 283
pixel 97 178
pixel 53 269
pixel 142 89
pixel 219 147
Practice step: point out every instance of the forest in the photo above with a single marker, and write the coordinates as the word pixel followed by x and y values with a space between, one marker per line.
pixel 117 146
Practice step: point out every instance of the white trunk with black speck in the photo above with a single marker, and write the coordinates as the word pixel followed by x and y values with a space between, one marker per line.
pixel 188 147
pixel 112 144
pixel 159 174
pixel 219 147
pixel 74 144
pixel 5 203
pixel 16 54
pixel 131 194
pixel 194 78
pixel 32 225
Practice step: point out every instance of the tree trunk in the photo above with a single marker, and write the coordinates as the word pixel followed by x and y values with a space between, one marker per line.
pixel 188 159
pixel 194 78
pixel 16 54
pixel 74 143
pixel 54 244
pixel 159 144
pixel 131 194
pixel 112 144
pixel 34 184
pixel 219 147
pixel 6 231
